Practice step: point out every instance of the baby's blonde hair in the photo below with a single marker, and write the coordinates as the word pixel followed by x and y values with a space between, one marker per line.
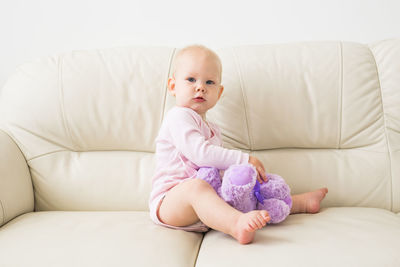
pixel 200 47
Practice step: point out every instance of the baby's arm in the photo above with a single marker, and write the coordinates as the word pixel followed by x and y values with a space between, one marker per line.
pixel 189 140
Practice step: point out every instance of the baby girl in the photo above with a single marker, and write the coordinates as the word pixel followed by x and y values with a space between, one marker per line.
pixel 187 141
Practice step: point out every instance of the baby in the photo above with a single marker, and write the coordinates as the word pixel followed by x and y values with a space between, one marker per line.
pixel 187 141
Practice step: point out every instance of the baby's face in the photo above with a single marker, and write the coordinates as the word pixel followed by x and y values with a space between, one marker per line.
pixel 196 83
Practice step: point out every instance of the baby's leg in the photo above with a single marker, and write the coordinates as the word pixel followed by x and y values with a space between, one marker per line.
pixel 195 200
pixel 308 202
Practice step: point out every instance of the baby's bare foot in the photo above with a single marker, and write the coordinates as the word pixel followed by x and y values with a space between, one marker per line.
pixel 314 200
pixel 308 202
pixel 248 223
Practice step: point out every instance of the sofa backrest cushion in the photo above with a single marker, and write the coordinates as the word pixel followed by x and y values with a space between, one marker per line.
pixel 318 113
pixel 86 122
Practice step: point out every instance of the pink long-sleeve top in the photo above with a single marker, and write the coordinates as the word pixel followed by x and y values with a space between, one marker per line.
pixel 184 144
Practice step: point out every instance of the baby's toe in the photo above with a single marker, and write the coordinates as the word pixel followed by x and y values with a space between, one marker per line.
pixel 265 215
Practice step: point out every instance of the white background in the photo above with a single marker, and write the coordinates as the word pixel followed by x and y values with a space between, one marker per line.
pixel 33 28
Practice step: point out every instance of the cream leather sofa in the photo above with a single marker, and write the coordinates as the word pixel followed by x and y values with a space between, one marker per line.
pixel 77 155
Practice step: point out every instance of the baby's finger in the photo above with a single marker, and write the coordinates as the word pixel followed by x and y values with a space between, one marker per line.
pixel 265 176
pixel 259 178
pixel 262 174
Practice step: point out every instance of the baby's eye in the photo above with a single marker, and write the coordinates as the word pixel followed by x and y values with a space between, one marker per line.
pixel 191 79
pixel 210 82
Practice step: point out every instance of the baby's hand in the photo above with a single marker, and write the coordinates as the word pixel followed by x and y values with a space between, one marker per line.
pixel 261 175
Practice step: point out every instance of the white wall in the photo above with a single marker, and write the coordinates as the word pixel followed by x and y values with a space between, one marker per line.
pixel 29 29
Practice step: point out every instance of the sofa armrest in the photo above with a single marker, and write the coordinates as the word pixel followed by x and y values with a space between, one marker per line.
pixel 16 191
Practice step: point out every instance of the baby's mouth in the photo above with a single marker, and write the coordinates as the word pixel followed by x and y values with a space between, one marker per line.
pixel 199 99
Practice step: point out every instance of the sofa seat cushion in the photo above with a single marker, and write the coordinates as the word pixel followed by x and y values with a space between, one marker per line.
pixel 94 239
pixel 333 237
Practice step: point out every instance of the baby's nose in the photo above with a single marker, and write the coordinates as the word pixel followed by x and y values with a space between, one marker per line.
pixel 200 88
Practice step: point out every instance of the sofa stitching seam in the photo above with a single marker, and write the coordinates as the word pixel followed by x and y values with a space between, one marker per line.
pixel 151 152
pixel 61 90
pixel 385 127
pixel 48 153
pixel 198 251
pixel 4 212
pixel 165 83
pixel 87 151
pixel 244 98
pixel 340 109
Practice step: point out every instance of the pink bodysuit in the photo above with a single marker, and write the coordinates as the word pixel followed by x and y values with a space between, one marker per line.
pixel 184 144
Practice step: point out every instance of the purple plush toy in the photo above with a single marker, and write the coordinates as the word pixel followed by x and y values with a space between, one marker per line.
pixel 241 190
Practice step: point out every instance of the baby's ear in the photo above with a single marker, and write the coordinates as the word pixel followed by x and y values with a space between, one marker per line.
pixel 171 86
pixel 220 91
